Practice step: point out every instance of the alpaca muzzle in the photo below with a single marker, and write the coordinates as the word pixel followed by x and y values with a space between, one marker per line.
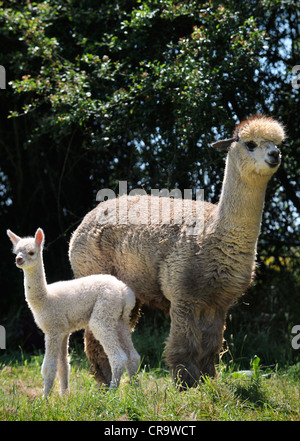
pixel 273 157
pixel 19 260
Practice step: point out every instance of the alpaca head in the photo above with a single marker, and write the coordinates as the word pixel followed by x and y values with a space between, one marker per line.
pixel 28 250
pixel 253 147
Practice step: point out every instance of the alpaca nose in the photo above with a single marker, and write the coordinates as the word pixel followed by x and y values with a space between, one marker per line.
pixel 274 155
pixel 19 260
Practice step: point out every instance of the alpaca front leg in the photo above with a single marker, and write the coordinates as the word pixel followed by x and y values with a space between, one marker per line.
pixel 195 338
pixel 182 356
pixel 48 372
pixel 49 366
pixel 212 324
pixel 64 366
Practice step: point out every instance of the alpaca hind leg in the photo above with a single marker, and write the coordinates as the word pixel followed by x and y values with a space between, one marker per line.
pixel 108 336
pixel 124 331
pixel 49 366
pixel 63 367
pixel 100 366
pixel 133 356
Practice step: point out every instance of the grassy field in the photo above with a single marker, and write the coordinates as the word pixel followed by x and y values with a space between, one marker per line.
pixel 255 395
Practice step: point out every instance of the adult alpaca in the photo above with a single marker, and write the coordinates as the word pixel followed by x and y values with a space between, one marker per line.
pixel 196 277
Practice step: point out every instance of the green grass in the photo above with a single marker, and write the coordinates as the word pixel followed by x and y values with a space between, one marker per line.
pixel 265 395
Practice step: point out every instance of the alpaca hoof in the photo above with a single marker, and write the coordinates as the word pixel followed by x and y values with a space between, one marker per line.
pixel 134 381
pixel 64 392
pixel 112 388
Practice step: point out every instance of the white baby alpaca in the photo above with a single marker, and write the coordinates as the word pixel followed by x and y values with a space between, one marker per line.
pixel 101 302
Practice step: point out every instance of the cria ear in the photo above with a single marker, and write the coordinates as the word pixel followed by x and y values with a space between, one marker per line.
pixel 13 237
pixel 223 144
pixel 39 237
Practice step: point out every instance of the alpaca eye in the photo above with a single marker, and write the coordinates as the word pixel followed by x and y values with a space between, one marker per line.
pixel 251 146
pixel 31 253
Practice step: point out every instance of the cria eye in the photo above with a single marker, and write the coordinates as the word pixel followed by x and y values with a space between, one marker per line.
pixel 251 146
pixel 31 253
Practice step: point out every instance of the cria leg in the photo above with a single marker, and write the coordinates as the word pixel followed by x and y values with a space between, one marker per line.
pixel 49 368
pixel 107 335
pixel 134 359
pixel 100 366
pixel 64 366
pixel 124 331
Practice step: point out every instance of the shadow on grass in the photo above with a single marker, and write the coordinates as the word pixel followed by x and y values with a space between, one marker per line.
pixel 252 392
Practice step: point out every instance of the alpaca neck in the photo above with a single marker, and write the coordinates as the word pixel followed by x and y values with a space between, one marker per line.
pixel 35 285
pixel 241 203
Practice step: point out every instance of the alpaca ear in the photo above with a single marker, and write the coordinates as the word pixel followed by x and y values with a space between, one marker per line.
pixel 13 237
pixel 39 237
pixel 224 144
